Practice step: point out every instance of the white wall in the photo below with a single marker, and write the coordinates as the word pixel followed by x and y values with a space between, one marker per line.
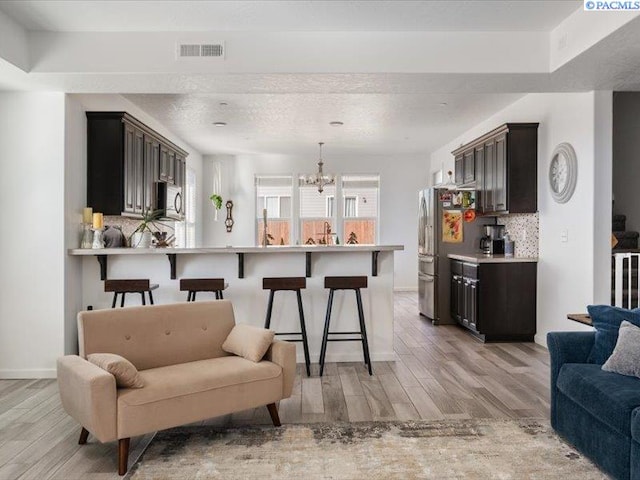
pixel 400 179
pixel 75 197
pixel 43 186
pixel 570 275
pixel 32 173
pixel 626 162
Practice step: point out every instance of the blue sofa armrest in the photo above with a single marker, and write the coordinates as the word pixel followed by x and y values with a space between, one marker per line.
pixel 566 347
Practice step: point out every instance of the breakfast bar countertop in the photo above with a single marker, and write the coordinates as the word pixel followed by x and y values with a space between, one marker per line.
pixel 482 258
pixel 230 249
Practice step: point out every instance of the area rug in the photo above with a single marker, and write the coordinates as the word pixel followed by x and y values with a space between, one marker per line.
pixel 462 449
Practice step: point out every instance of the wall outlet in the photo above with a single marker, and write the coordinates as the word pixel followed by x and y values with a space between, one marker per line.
pixel 564 236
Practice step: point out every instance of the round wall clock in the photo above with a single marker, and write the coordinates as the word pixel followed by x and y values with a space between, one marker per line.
pixel 563 172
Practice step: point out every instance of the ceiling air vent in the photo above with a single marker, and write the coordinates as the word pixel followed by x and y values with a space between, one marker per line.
pixel 191 50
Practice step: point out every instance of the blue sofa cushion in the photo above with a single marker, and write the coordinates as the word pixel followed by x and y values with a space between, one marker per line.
pixel 635 425
pixel 607 396
pixel 606 320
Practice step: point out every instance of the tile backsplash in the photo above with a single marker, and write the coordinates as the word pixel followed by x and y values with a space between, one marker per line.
pixel 128 225
pixel 524 231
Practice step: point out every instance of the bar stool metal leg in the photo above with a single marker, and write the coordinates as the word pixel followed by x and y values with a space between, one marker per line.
pixel 150 298
pixel 115 299
pixel 143 301
pixel 363 330
pixel 325 335
pixel 221 296
pixel 303 330
pixel 122 299
pixel 267 320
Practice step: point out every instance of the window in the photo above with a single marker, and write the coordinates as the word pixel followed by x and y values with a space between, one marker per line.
pixel 297 213
pixel 350 207
pixel 330 205
pixel 317 222
pixel 273 194
pixel 360 222
pixel 272 204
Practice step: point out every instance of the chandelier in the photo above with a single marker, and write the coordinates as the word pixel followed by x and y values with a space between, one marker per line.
pixel 319 179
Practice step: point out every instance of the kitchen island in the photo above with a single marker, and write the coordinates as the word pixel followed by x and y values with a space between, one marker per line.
pixel 244 267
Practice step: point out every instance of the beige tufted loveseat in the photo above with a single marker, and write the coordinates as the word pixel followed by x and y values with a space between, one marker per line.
pixel 188 377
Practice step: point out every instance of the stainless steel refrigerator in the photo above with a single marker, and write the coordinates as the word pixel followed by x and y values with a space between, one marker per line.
pixel 433 264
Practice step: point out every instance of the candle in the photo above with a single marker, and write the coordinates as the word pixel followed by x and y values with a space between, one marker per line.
pixel 98 221
pixel 87 215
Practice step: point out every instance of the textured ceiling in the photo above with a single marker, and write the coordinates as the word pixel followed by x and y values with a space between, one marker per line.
pixel 297 15
pixel 294 123
pixel 383 113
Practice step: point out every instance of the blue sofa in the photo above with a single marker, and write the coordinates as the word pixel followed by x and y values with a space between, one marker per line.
pixel 596 411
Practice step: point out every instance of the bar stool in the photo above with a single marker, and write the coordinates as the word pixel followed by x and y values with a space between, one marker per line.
pixel 293 284
pixel 129 286
pixel 194 285
pixel 345 283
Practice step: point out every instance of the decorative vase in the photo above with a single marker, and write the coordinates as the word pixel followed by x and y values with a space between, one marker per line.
pixel 215 214
pixel 141 240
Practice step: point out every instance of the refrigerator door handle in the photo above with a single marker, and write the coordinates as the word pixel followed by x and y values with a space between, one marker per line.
pixel 426 259
pixel 426 278
pixel 430 239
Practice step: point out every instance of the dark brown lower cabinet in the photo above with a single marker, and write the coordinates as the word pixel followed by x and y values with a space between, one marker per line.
pixel 495 301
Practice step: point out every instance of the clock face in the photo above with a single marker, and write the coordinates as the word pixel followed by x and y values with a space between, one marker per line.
pixel 563 173
pixel 559 173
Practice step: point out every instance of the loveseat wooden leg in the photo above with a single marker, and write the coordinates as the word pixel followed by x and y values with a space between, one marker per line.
pixel 273 411
pixel 123 455
pixel 84 434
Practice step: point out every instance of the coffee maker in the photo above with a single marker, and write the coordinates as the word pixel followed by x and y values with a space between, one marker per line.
pixel 492 242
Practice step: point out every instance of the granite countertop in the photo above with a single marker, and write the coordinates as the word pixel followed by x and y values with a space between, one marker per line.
pixel 482 258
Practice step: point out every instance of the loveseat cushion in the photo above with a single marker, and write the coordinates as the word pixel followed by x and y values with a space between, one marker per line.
pixel 188 392
pixel 193 377
pixel 606 320
pixel 607 396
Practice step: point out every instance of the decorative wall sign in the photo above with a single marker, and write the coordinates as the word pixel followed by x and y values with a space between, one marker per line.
pixel 563 172
pixel 452 226
pixel 229 221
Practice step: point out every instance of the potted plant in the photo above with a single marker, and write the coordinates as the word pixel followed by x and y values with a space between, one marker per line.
pixel 216 200
pixel 141 236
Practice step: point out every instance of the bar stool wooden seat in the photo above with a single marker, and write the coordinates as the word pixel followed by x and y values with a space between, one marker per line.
pixel 123 287
pixel 194 285
pixel 294 284
pixel 345 283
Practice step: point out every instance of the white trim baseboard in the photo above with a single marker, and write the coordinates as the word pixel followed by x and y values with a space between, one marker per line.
pixel 7 374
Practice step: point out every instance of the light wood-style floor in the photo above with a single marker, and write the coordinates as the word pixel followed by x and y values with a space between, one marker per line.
pixel 440 373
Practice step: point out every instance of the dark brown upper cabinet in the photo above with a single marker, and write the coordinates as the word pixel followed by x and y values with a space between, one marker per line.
pixel 505 169
pixel 124 162
pixel 469 166
pixel 459 169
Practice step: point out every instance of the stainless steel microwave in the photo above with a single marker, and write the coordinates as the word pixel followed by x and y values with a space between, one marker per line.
pixel 170 201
